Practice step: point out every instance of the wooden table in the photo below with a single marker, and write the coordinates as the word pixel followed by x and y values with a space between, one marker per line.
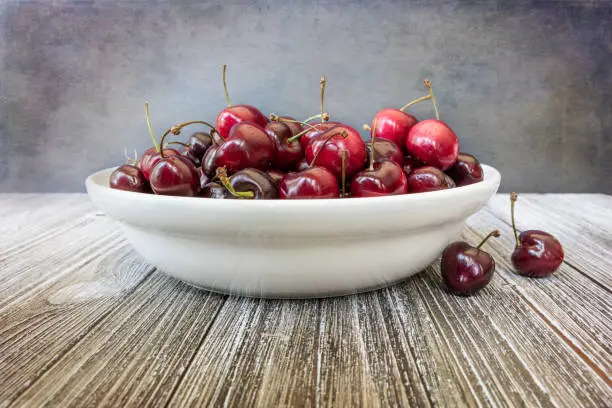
pixel 85 322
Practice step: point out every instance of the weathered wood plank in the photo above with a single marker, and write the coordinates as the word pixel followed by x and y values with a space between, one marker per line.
pixel 571 302
pixel 584 243
pixel 136 356
pixel 258 353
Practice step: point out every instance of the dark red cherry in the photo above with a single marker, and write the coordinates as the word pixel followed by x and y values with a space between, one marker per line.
pixel 433 143
pixel 215 190
pixel 393 124
pixel 150 158
pixel 294 126
pixel 176 176
pixel 235 114
pixel 386 150
pixel 312 183
pixel 204 179
pixel 467 269
pixel 537 253
pixel 255 181
pixel 386 178
pixel 188 154
pixel 217 139
pixel 129 178
pixel 275 175
pixel 328 150
pixel 248 145
pixel 209 161
pixel 288 154
pixel 199 142
pixel 428 178
pixel 303 165
pixel 466 170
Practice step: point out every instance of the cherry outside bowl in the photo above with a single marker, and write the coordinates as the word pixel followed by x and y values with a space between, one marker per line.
pixel 292 248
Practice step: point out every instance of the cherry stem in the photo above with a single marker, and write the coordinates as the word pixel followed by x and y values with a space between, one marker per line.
pixel 433 98
pixel 323 83
pixel 222 176
pixel 343 173
pixel 151 128
pixel 342 133
pixel 417 100
pixel 174 142
pixel 324 117
pixel 308 129
pixel 176 130
pixel 513 198
pixel 366 127
pixel 494 233
pixel 227 98
pixel 372 145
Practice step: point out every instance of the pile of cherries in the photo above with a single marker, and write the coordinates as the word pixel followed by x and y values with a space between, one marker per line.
pixel 247 155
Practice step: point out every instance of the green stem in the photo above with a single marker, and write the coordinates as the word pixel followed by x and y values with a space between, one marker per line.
pixel 175 142
pixel 323 83
pixel 176 130
pixel 308 129
pixel 417 100
pixel 494 233
pixel 433 98
pixel 151 127
pixel 513 198
pixel 343 173
pixel 227 98
pixel 324 117
pixel 222 176
pixel 372 144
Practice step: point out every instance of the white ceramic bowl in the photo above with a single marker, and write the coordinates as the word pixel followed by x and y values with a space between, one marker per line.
pixel 292 248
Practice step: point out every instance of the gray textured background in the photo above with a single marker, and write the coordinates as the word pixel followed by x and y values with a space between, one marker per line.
pixel 526 85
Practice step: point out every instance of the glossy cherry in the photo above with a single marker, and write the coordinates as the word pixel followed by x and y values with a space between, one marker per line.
pixel 326 150
pixel 312 183
pixel 393 125
pixel 248 145
pixel 129 178
pixel 288 153
pixel 151 157
pixel 537 253
pixel 204 179
pixel 175 176
pixel 432 141
pixel 384 177
pixel 467 269
pixel 314 130
pixel 215 190
pixel 234 114
pixel 209 161
pixel 466 170
pixel 428 178
pixel 188 154
pixel 248 184
pixel 199 142
pixel 386 150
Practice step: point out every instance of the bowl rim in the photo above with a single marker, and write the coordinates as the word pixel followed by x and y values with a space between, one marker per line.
pixel 491 178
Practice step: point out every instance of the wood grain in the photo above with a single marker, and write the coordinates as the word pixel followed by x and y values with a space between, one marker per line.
pixel 85 322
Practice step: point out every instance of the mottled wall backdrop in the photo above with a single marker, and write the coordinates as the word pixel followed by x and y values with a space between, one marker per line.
pixel 526 85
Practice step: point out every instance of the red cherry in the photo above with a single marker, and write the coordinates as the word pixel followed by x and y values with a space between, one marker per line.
pixel 151 157
pixel 465 269
pixel 467 170
pixel 248 145
pixel 537 253
pixel 234 114
pixel 209 161
pixel 386 150
pixel 386 178
pixel 326 150
pixel 434 143
pixel 316 130
pixel 392 124
pixel 428 178
pixel 175 176
pixel 288 153
pixel 313 183
pixel 129 178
